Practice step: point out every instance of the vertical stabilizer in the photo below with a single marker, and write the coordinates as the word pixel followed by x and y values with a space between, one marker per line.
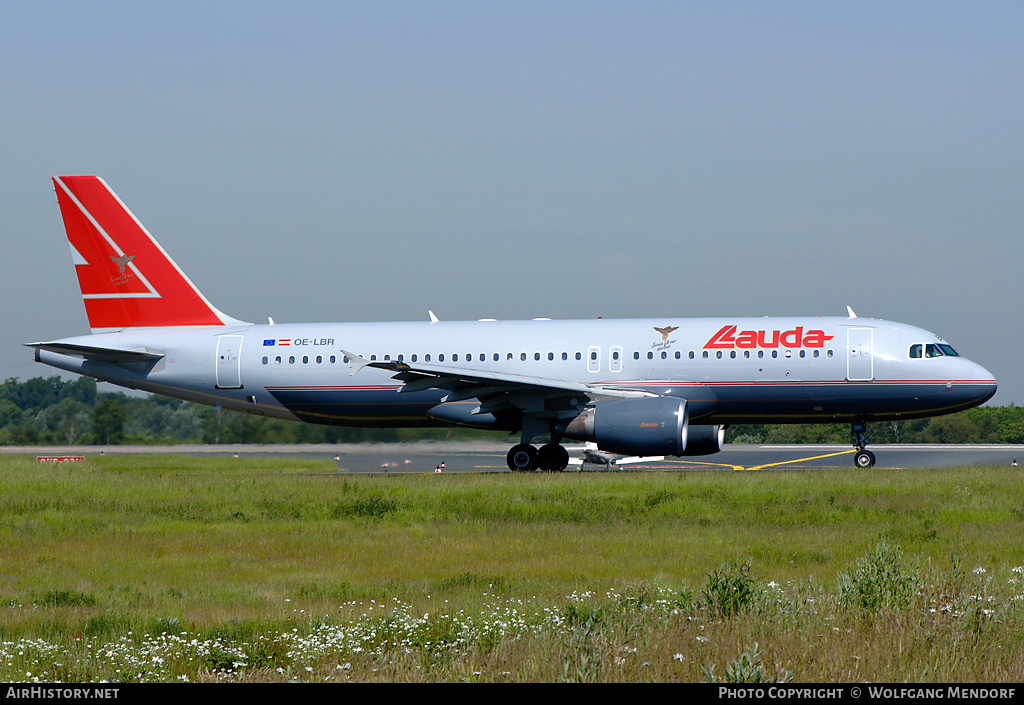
pixel 126 278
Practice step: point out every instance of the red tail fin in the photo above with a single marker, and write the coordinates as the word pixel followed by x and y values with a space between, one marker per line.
pixel 127 279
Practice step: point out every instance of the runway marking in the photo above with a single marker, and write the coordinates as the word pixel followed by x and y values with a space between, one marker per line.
pixel 704 463
pixel 799 460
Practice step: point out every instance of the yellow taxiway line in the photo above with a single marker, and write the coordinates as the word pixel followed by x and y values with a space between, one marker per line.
pixel 801 460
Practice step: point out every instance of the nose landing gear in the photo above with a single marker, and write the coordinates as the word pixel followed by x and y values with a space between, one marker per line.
pixel 863 458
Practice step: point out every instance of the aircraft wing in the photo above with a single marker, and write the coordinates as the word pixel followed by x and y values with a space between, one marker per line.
pixel 495 390
pixel 88 352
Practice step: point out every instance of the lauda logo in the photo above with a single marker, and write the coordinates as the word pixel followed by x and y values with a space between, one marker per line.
pixel 728 338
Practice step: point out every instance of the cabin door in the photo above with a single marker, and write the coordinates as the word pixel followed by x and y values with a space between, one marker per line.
pixel 860 362
pixel 229 362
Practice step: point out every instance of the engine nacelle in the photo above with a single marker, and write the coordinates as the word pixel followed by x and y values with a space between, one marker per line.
pixel 704 440
pixel 650 426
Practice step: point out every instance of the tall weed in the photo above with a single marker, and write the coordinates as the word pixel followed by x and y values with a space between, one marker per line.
pixel 731 588
pixel 880 578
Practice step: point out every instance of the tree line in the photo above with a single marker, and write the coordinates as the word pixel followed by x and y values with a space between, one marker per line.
pixel 53 411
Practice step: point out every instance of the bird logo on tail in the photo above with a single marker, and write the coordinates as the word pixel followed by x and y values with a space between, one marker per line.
pixel 121 263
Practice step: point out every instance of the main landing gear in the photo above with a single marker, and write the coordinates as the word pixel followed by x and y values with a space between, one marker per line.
pixel 526 458
pixel 863 458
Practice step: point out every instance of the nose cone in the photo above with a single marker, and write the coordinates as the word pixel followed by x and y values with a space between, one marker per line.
pixel 980 381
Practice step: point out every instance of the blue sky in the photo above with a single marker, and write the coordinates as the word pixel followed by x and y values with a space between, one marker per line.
pixel 371 160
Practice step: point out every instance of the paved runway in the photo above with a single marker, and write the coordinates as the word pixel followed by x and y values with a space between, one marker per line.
pixel 490 457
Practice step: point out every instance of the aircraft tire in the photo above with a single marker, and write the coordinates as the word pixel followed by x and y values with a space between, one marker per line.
pixel 864 459
pixel 553 457
pixel 522 458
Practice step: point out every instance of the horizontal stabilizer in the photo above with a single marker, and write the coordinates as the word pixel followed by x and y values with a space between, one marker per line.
pixel 88 352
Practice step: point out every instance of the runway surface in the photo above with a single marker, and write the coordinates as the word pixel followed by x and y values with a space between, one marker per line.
pixel 490 457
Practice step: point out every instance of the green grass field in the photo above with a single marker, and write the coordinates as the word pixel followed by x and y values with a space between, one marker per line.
pixel 187 568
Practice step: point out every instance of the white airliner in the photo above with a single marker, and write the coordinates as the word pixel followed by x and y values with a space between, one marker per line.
pixel 636 387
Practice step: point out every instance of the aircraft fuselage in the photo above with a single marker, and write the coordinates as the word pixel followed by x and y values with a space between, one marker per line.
pixel 755 370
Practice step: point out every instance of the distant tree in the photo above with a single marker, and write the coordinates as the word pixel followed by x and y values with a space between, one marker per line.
pixel 108 421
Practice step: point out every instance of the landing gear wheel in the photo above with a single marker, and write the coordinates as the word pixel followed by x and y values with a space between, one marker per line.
pixel 552 457
pixel 522 458
pixel 864 459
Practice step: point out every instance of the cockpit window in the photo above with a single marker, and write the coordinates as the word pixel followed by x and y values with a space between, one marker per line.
pixel 932 350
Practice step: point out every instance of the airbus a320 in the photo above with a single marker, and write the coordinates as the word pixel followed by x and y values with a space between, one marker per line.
pixel 637 387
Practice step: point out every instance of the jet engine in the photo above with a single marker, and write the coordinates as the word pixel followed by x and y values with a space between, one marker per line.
pixel 650 426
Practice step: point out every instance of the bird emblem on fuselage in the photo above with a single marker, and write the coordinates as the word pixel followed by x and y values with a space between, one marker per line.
pixel 665 332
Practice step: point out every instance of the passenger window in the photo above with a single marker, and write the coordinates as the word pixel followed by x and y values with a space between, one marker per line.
pixel 536 356
pixel 551 356
pixel 650 355
pixel 522 357
pixel 440 358
pixel 426 358
pixel 455 357
pixel 579 356
pixel 636 355
pixel 265 359
pixel 565 356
